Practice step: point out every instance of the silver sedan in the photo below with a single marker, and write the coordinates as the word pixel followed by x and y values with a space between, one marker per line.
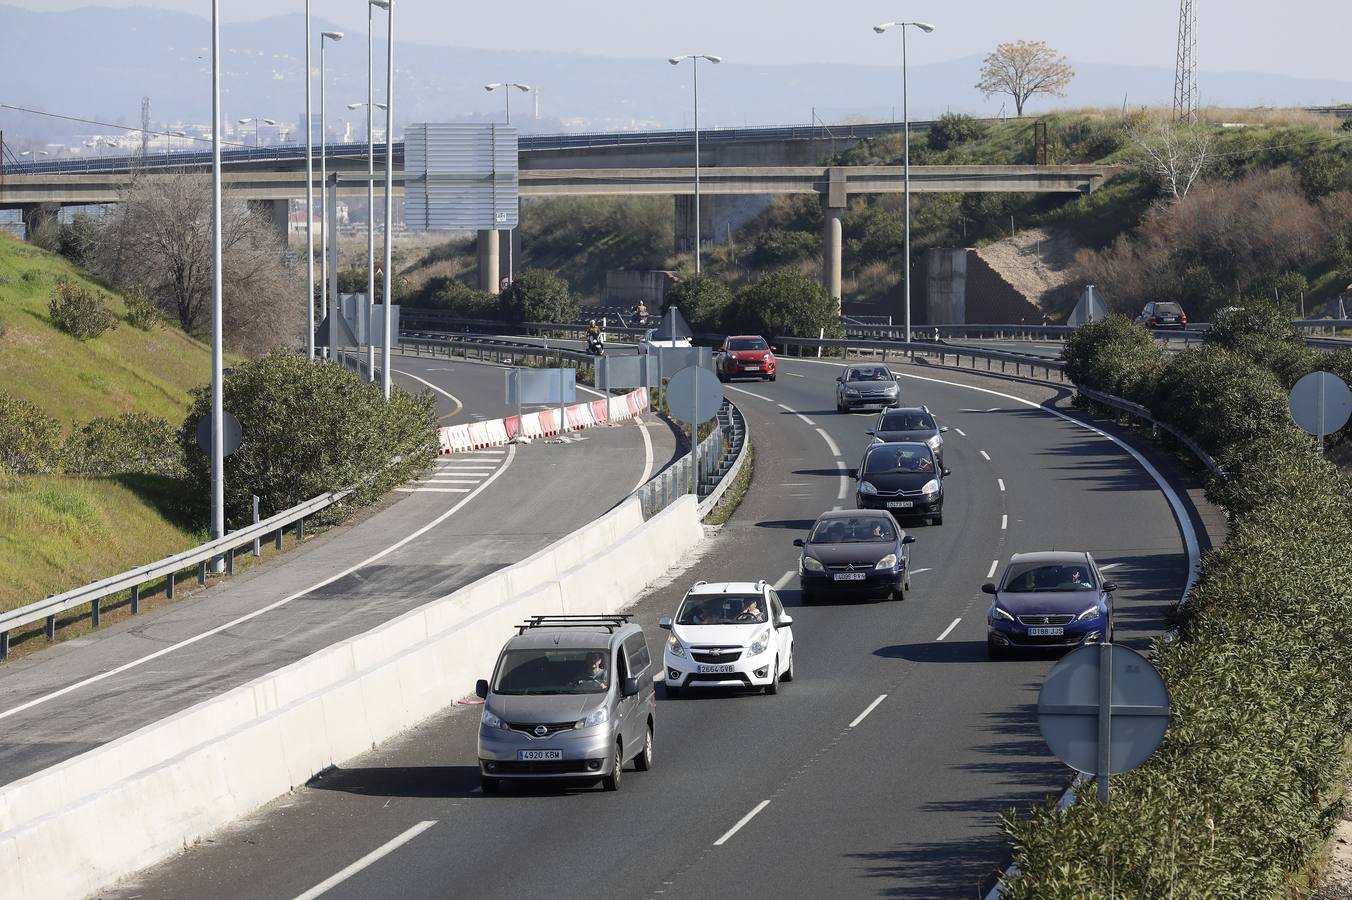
pixel 866 385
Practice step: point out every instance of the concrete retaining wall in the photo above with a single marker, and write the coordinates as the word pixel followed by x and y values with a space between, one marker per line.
pixel 70 829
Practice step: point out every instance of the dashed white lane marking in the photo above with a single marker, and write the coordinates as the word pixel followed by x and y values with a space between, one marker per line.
pixel 871 707
pixel 918 571
pixel 959 431
pixel 830 444
pixel 431 490
pixel 728 387
pixel 794 375
pixel 1004 522
pixel 986 456
pixel 647 457
pixel 995 564
pixel 1001 482
pixel 844 481
pixel 789 409
pixel 949 629
pixel 383 850
pixel 785 579
pixel 794 483
pixel 738 827
pixel 1109 566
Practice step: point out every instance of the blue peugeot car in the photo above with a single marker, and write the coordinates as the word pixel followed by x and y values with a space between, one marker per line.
pixel 1054 600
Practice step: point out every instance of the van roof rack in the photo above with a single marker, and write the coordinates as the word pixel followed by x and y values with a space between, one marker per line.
pixel 609 622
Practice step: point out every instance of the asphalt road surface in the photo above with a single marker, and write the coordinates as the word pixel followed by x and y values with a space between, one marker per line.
pixel 880 771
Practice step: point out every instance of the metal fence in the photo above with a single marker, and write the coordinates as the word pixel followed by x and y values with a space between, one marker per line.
pixel 721 455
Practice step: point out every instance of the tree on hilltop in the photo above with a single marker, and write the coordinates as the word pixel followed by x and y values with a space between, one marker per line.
pixel 1023 69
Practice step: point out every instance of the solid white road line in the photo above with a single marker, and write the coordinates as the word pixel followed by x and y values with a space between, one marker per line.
pixel 959 431
pixel 187 642
pixel 447 394
pixel 738 827
pixel 647 456
pixel 918 571
pixel 995 564
pixel 949 629
pixel 1001 482
pixel 830 444
pixel 1004 522
pixel 844 481
pixel 451 481
pixel 728 387
pixel 597 394
pixel 871 707
pixel 485 453
pixel 785 579
pixel 986 456
pixel 795 412
pixel 431 490
pixel 383 850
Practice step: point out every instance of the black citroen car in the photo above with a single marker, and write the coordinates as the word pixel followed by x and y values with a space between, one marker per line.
pixel 903 478
pixel 854 551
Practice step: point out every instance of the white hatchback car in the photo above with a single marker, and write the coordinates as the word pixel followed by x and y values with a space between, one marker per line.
pixel 731 634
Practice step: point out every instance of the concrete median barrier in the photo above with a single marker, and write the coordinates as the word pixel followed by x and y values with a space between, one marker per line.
pixel 73 828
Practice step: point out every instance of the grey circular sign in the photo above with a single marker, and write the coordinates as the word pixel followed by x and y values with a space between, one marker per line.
pixel 694 394
pixel 230 430
pixel 1320 403
pixel 1069 702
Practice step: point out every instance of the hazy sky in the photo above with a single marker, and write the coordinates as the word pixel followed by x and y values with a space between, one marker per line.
pixel 1307 38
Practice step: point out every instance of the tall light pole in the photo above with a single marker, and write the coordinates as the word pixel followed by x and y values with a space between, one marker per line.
pixel 906 155
pixel 334 36
pixel 388 6
pixel 258 123
pixel 507 92
pixel 694 61
pixel 309 195
pixel 370 205
pixel 217 373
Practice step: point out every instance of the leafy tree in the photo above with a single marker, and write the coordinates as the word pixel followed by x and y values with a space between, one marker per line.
pixel 538 296
pixel 30 440
pixel 702 299
pixel 444 292
pixel 785 302
pixel 1023 69
pixel 952 129
pixel 777 246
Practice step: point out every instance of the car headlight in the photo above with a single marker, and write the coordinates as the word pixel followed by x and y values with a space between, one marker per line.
pixel 998 613
pixel 851 392
pixel 891 389
pixel 811 565
pixel 491 720
pixel 761 643
pixel 935 442
pixel 1090 613
pixel 674 645
pixel 931 488
pixel 866 487
pixel 887 562
pixel 599 716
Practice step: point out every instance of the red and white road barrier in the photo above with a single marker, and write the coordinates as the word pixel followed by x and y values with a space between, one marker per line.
pixel 544 423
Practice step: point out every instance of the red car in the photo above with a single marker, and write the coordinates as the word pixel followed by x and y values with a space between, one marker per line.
pixel 746 355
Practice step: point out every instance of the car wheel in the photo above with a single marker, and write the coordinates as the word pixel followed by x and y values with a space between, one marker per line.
pixel 769 378
pixel 773 686
pixel 994 650
pixel 644 761
pixel 490 784
pixel 807 597
pixel 673 692
pixel 788 673
pixel 723 378
pixel 937 520
pixel 900 592
pixel 612 781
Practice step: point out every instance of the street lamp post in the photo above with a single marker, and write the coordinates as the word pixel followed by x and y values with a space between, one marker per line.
pixel 694 61
pixel 370 205
pixel 258 123
pixel 334 36
pixel 388 6
pixel 309 196
pixel 217 373
pixel 507 92
pixel 906 155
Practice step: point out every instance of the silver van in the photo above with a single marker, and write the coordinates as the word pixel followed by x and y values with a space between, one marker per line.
pixel 571 698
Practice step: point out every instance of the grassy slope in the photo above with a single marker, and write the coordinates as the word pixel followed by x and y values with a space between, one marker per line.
pixel 57 532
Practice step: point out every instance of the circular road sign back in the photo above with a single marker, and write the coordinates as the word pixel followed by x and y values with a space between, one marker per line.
pixel 1069 702
pixel 1321 403
pixel 694 394
pixel 230 431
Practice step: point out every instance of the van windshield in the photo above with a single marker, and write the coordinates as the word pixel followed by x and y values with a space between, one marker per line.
pixel 572 671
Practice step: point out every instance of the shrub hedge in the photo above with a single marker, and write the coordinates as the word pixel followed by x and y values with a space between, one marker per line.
pixel 78 311
pixel 30 440
pixel 132 443
pixel 1244 791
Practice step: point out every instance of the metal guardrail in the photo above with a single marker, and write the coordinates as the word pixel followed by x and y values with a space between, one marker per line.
pixel 1145 416
pixel 720 454
pixel 943 352
pixel 166 569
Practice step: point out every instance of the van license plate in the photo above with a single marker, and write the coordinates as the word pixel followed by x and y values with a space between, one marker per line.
pixel 848 576
pixel 900 504
pixel 538 755
pixel 715 670
pixel 1046 631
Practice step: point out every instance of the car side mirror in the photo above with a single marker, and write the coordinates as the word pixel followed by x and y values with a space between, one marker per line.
pixel 798 542
pixel 870 432
pixel 774 348
pixel 784 621
pixel 1109 586
pixel 629 688
pixel 988 588
pixel 908 539
pixel 481 689
pixel 943 428
pixel 664 622
pixel 947 472
pixel 853 473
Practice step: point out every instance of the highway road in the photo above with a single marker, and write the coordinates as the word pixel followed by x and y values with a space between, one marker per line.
pixel 469 515
pixel 880 770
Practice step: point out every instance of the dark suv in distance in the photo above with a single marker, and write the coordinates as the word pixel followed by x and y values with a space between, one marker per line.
pixel 1163 315
pixel 909 423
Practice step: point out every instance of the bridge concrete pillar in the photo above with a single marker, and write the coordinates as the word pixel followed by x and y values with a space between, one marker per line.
pixel 489 263
pixel 36 217
pixel 278 215
pixel 832 243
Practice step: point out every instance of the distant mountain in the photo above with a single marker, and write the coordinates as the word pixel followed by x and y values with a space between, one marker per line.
pixel 98 63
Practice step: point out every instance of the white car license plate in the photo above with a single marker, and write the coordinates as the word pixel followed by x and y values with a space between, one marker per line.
pixel 900 504
pixel 848 576
pixel 1046 631
pixel 538 755
pixel 716 670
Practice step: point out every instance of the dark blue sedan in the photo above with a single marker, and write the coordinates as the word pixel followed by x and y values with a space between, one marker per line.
pixel 855 551
pixel 1054 600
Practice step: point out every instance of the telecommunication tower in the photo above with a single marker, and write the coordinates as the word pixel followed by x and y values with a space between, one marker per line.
pixel 1185 67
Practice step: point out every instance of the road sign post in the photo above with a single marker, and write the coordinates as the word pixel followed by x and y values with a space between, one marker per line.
pixel 694 395
pixel 1320 404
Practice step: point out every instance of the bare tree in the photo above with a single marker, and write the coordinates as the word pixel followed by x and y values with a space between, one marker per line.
pixel 1023 69
pixel 1174 154
pixel 159 241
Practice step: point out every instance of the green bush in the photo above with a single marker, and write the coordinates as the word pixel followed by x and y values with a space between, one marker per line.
pixel 30 440
pixel 1115 356
pixel 444 292
pixel 142 313
pixel 776 246
pixel 307 429
pixel 77 240
pixel 132 443
pixel 78 311
pixel 952 129
pixel 703 300
pixel 787 303
pixel 538 296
